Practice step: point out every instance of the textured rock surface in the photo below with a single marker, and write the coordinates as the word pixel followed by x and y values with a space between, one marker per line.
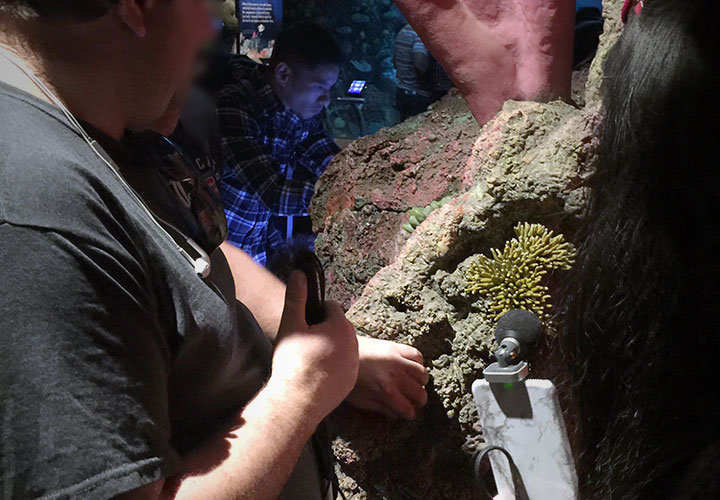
pixel 530 163
pixel 611 32
pixel 363 198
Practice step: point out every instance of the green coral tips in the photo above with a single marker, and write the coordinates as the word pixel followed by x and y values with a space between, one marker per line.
pixel 418 214
pixel 513 278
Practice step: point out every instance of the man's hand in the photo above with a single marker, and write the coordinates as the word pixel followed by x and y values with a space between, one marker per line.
pixel 391 378
pixel 315 365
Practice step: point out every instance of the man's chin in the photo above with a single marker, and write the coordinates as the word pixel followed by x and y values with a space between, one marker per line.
pixel 168 123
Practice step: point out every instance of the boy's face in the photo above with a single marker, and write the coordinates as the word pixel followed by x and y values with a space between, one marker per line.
pixel 308 88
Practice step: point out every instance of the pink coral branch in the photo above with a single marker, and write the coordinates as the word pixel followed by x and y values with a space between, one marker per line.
pixel 496 50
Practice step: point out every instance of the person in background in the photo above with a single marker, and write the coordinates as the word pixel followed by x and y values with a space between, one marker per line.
pixel 413 64
pixel 229 25
pixel 588 4
pixel 440 83
pixel 588 27
pixel 275 141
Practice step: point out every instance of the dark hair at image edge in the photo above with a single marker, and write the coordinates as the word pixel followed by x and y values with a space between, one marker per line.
pixel 308 44
pixel 640 313
pixel 57 10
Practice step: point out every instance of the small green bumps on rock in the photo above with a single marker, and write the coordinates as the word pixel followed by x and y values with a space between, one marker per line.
pixel 419 214
pixel 513 278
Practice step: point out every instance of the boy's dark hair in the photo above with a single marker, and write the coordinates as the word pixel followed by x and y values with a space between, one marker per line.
pixel 640 325
pixel 308 44
pixel 54 10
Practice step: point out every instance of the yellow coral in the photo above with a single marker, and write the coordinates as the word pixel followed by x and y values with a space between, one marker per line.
pixel 513 278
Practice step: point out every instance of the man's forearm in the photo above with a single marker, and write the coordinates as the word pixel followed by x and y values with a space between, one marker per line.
pixel 257 288
pixel 421 61
pixel 254 460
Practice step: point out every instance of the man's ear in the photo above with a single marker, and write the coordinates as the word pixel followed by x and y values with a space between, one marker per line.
pixel 283 73
pixel 132 14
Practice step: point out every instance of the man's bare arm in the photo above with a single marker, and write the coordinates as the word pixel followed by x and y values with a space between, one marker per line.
pixel 392 376
pixel 257 288
pixel 252 461
pixel 261 452
pixel 421 61
pixel 314 368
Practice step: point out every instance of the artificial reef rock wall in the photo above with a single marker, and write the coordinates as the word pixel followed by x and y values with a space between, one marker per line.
pixel 401 215
pixel 366 194
pixel 613 27
pixel 528 164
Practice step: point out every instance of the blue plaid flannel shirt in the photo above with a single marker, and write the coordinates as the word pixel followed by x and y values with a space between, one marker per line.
pixel 272 160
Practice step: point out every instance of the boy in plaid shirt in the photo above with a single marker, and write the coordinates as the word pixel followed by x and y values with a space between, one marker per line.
pixel 276 145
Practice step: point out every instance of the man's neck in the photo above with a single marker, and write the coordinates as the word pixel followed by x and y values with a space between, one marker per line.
pixel 82 86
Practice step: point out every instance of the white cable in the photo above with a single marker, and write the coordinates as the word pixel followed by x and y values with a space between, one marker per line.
pixel 201 265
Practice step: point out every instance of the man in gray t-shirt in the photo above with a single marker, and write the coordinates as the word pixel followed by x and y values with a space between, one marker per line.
pixel 126 369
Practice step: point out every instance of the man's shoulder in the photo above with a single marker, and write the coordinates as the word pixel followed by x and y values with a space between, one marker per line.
pixel 407 35
pixel 243 92
pixel 51 177
pixel 242 87
pixel 252 93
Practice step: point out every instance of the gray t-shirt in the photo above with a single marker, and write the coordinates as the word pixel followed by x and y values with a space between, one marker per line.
pixel 115 357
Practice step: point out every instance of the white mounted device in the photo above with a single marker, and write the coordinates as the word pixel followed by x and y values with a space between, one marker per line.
pixel 523 418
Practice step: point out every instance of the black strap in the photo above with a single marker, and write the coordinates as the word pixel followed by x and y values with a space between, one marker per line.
pixel 518 484
pixel 325 457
